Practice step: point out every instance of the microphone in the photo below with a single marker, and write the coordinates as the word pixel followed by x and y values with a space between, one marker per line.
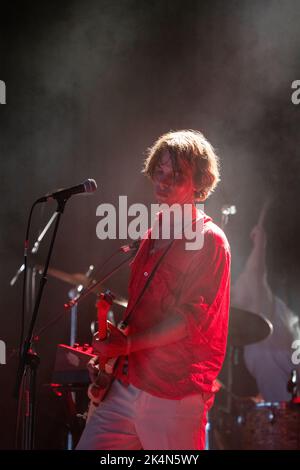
pixel 134 246
pixel 88 186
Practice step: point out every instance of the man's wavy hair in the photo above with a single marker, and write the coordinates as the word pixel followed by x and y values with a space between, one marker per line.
pixel 187 149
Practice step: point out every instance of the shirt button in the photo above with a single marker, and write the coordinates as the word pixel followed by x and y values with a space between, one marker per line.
pixel 145 274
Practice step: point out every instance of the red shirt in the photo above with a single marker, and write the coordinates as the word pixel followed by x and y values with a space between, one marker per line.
pixel 195 284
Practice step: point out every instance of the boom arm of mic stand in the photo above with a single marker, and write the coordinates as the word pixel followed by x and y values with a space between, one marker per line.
pixel 35 248
pixel 36 245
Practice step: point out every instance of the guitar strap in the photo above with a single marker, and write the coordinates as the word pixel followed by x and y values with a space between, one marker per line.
pixel 149 279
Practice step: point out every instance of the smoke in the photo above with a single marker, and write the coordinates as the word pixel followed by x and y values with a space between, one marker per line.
pixel 90 85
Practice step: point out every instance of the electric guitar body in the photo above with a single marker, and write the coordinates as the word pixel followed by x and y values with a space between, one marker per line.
pixel 103 367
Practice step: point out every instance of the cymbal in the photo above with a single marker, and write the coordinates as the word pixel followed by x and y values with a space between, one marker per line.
pixel 247 327
pixel 76 279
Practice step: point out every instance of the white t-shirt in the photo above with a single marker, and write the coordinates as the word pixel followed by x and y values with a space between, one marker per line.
pixel 270 360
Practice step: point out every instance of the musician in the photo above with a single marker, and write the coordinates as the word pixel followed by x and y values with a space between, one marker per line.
pixel 269 361
pixel 177 316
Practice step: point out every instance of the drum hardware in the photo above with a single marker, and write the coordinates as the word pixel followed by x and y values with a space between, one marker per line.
pixel 226 211
pixel 271 426
pixel 227 420
pixel 80 279
pixel 292 385
pixel 244 328
pixel 259 425
pixel 247 327
pixel 72 396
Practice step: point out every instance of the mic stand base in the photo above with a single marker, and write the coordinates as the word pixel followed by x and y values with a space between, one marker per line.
pixel 28 396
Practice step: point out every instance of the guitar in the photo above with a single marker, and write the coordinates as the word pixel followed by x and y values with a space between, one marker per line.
pixel 102 367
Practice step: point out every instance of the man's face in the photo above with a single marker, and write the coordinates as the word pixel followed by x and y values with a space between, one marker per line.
pixel 170 188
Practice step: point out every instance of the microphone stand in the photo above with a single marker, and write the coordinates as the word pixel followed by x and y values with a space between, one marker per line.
pixel 228 210
pixel 29 360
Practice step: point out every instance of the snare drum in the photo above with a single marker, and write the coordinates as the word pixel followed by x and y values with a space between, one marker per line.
pixel 271 426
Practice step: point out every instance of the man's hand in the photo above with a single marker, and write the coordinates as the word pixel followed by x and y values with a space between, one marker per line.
pixel 93 368
pixel 116 344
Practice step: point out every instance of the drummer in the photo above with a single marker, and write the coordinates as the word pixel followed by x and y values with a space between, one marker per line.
pixel 269 361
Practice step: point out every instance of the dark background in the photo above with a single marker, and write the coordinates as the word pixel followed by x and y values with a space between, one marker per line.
pixel 90 85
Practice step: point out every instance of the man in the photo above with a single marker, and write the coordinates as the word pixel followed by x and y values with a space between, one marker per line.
pixel 269 361
pixel 177 316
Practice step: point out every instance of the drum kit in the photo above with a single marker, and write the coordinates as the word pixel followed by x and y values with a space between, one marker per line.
pixel 250 424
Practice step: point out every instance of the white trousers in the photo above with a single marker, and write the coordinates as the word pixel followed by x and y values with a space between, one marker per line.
pixel 131 419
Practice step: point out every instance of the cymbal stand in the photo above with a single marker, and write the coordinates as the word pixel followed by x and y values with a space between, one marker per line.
pixel 228 210
pixel 73 294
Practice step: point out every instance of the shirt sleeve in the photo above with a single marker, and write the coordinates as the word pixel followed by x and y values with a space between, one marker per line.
pixel 204 297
